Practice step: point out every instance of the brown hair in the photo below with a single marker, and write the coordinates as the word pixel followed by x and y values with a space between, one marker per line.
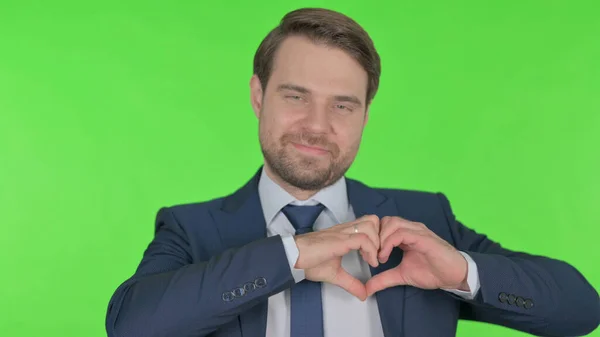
pixel 321 26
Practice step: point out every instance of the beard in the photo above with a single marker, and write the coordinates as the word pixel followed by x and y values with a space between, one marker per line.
pixel 304 172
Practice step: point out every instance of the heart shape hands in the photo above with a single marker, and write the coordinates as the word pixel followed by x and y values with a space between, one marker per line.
pixel 429 262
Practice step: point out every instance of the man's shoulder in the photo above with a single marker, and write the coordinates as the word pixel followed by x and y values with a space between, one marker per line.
pixel 415 199
pixel 402 194
pixel 406 193
pixel 430 207
pixel 189 211
pixel 196 206
pixel 405 196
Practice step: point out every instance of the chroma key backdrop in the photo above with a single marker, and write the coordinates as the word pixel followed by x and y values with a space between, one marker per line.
pixel 110 110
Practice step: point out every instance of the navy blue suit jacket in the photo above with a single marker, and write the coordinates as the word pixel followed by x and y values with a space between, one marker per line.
pixel 211 267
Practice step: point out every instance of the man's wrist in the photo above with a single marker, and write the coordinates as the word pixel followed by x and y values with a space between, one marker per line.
pixel 469 287
pixel 293 255
pixel 464 286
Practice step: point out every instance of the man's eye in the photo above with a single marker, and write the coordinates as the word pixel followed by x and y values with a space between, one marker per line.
pixel 343 108
pixel 294 97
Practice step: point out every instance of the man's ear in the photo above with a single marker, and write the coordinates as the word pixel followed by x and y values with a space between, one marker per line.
pixel 366 115
pixel 256 95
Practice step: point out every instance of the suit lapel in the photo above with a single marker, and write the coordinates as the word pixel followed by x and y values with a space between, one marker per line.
pixel 390 301
pixel 240 220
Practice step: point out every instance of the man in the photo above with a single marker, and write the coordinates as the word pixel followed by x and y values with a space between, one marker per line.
pixel 300 250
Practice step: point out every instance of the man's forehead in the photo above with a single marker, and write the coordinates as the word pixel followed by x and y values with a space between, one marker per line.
pixel 318 68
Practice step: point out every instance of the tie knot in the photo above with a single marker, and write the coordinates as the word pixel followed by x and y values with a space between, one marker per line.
pixel 302 217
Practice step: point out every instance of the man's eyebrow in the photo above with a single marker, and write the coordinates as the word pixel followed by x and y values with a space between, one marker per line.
pixel 293 87
pixel 340 98
pixel 350 99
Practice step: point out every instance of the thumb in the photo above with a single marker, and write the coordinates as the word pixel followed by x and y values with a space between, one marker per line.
pixel 351 284
pixel 389 278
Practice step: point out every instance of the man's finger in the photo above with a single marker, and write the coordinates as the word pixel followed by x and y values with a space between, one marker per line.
pixel 361 242
pixel 386 279
pixel 401 236
pixel 391 224
pixel 364 227
pixel 374 219
pixel 350 284
pixel 373 233
pixel 370 226
pixel 367 248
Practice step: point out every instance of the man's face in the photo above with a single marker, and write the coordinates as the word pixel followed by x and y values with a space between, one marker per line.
pixel 312 113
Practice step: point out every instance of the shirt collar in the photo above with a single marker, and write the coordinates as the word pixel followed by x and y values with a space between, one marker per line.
pixel 273 198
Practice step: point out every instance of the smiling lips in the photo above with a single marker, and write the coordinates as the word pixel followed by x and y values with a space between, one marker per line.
pixel 310 149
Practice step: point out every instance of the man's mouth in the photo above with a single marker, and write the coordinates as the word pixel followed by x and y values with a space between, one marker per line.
pixel 314 150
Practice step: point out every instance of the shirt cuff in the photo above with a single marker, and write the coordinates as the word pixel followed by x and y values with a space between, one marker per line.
pixel 292 253
pixel 472 279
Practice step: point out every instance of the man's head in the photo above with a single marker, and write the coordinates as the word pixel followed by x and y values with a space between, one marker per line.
pixel 314 78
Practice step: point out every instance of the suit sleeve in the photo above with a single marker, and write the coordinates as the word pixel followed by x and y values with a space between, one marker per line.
pixel 170 296
pixel 534 294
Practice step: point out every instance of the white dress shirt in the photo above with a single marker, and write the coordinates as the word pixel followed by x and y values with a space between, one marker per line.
pixel 343 314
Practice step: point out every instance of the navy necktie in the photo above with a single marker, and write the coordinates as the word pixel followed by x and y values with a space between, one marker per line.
pixel 306 304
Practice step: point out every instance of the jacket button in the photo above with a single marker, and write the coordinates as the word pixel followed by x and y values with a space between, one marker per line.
pixel 511 299
pixel 239 292
pixel 528 304
pixel 502 297
pixel 260 282
pixel 227 296
pixel 248 287
pixel 520 302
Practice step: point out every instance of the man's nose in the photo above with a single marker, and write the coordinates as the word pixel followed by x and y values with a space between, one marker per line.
pixel 317 119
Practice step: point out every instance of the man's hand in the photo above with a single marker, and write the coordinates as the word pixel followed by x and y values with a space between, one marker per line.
pixel 429 262
pixel 321 252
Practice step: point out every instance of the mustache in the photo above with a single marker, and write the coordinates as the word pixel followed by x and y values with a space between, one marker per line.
pixel 311 140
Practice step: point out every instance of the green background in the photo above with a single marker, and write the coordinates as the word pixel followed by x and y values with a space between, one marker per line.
pixel 111 110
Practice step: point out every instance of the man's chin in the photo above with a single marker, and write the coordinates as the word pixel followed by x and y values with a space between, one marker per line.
pixel 308 184
pixel 308 172
pixel 316 178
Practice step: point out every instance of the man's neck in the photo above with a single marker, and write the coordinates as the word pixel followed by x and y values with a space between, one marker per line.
pixel 297 193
